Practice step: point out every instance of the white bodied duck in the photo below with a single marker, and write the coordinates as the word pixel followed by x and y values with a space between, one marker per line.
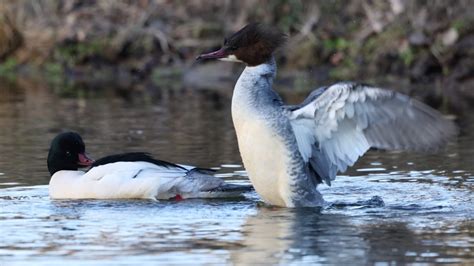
pixel 127 176
pixel 289 150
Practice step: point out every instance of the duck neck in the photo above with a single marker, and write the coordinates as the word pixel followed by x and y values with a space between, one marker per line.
pixel 261 75
pixel 253 89
pixel 268 68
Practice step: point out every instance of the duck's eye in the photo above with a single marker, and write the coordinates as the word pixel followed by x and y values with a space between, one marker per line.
pixel 68 153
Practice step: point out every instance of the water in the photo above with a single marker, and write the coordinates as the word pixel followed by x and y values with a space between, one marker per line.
pixel 427 216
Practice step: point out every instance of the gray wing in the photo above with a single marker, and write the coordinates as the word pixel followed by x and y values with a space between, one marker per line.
pixel 338 125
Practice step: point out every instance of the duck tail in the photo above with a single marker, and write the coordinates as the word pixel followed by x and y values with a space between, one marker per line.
pixel 210 186
pixel 228 190
pixel 229 187
pixel 203 171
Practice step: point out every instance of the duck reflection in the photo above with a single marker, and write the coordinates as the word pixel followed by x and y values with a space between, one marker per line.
pixel 307 236
pixel 280 236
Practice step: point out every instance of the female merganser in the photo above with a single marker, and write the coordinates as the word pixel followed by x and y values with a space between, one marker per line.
pixel 288 150
pixel 131 175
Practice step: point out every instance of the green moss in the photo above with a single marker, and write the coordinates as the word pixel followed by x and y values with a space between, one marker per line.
pixel 407 56
pixel 458 25
pixel 53 68
pixel 54 72
pixel 337 44
pixel 8 68
pixel 75 53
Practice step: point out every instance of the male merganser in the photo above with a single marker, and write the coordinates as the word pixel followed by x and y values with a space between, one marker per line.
pixel 288 150
pixel 130 175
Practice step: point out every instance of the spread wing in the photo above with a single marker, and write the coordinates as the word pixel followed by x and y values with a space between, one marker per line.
pixel 336 125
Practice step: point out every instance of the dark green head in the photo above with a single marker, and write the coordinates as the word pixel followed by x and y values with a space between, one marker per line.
pixel 67 152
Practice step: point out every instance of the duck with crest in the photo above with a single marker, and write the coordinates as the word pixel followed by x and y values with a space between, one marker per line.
pixel 134 175
pixel 288 150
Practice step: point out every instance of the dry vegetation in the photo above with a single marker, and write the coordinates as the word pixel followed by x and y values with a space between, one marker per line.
pixel 427 41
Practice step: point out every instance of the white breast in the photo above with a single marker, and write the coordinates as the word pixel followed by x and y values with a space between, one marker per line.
pixel 263 151
pixel 264 156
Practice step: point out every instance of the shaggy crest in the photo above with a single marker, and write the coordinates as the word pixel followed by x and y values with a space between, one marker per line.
pixel 254 44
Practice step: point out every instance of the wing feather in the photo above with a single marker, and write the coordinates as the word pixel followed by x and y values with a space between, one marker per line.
pixel 341 122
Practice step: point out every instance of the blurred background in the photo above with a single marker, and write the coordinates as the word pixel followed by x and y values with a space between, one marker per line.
pixel 122 74
pixel 391 42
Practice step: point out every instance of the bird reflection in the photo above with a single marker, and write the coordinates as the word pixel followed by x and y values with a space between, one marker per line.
pixel 281 236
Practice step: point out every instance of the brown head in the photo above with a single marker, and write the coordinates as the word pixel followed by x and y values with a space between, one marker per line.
pixel 254 44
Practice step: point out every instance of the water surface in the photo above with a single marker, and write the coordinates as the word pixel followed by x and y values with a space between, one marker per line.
pixel 427 216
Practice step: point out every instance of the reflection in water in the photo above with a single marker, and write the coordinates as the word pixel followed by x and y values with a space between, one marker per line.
pixel 282 236
pixel 36 229
pixel 259 234
pixel 428 215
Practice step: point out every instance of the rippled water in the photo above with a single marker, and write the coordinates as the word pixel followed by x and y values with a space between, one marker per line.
pixel 427 216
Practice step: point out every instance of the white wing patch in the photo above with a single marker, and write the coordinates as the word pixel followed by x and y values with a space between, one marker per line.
pixel 346 145
pixel 347 119
pixel 304 133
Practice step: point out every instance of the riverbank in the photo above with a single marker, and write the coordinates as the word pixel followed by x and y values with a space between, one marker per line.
pixel 423 49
